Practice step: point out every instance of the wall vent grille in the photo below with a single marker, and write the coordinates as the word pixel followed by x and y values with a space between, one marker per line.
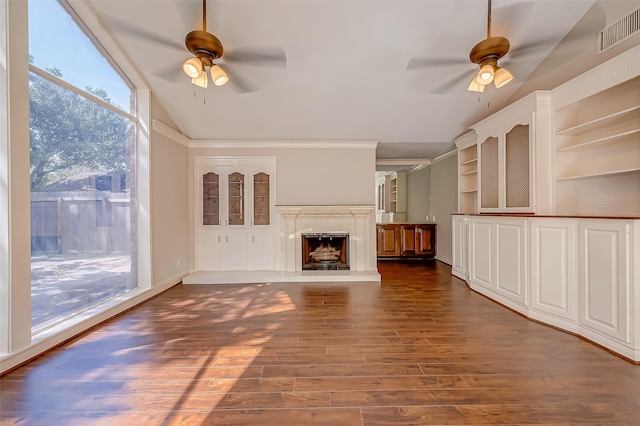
pixel 619 31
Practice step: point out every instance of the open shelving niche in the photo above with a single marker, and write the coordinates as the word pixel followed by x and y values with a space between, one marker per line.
pixel 597 154
pixel 467 173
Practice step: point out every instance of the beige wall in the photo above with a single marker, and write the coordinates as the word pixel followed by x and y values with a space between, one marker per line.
pixel 313 175
pixel 325 176
pixel 169 204
pixel 419 195
pixel 444 201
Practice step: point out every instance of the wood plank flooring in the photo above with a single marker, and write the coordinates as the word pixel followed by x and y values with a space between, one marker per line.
pixel 420 349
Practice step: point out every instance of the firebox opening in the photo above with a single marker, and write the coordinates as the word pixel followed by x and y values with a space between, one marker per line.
pixel 325 251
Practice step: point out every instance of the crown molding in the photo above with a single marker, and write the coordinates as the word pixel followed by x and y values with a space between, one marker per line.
pixel 287 143
pixel 163 129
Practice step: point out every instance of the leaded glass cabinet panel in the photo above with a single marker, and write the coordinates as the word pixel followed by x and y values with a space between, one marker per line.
pixel 489 182
pixel 517 167
pixel 261 199
pixel 236 198
pixel 211 199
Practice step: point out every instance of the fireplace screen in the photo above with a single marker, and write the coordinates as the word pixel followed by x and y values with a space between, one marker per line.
pixel 325 251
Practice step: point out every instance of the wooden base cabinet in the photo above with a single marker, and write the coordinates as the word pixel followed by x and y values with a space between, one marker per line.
pixel 388 240
pixel 578 274
pixel 406 240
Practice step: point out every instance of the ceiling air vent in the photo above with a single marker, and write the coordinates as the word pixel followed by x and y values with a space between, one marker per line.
pixel 619 31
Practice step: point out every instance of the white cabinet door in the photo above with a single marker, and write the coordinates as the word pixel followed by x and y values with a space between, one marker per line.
pixel 505 170
pixel 605 277
pixel 460 228
pixel 498 256
pixel 482 260
pixel 208 250
pixel 235 250
pixel 511 256
pixel 554 270
pixel 261 250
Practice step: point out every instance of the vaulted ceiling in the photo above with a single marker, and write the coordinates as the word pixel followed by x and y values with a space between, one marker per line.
pixel 346 75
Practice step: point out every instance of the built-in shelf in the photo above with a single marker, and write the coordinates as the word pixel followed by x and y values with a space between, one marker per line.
pixel 600 174
pixel 604 121
pixel 597 144
pixel 467 173
pixel 613 134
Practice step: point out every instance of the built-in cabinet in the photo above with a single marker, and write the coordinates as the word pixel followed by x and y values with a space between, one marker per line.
pixel 398 195
pixel 391 197
pixel 578 274
pixel 410 240
pixel 510 144
pixel 234 220
pixel 567 161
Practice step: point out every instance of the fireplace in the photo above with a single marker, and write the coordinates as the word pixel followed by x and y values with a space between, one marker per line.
pixel 325 251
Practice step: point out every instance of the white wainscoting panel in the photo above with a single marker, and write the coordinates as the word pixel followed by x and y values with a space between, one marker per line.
pixel 554 269
pixel 482 252
pixel 459 262
pixel 511 279
pixel 604 277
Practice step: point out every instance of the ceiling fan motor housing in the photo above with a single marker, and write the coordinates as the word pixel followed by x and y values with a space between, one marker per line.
pixel 489 48
pixel 204 45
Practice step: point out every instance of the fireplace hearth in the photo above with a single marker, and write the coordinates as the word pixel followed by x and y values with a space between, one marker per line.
pixel 325 251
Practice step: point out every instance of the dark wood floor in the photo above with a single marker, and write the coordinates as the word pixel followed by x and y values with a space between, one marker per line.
pixel 420 349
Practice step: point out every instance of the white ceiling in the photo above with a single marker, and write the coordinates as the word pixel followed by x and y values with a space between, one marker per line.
pixel 346 74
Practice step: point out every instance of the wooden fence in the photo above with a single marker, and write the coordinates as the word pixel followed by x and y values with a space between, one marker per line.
pixel 80 222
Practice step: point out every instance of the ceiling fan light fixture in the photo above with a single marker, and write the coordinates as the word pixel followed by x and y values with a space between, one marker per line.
pixel 485 75
pixel 201 80
pixel 218 76
pixel 501 77
pixel 475 86
pixel 192 67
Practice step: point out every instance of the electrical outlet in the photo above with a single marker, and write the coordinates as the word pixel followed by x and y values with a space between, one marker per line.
pixel 602 204
pixel 433 219
pixel 178 262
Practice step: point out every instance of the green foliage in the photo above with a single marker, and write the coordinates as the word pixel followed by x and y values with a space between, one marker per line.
pixel 70 134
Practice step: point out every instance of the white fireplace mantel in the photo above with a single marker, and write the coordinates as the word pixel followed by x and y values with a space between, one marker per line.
pixel 357 220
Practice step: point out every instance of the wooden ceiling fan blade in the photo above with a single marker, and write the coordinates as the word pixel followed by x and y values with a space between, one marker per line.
pixel 274 57
pixel 421 62
pixel 123 27
pixel 172 73
pixel 453 84
pixel 238 83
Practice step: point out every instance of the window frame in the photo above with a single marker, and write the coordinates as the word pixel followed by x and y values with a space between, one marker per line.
pixel 17 343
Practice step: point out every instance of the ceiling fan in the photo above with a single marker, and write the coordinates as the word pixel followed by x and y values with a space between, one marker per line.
pixel 207 52
pixel 486 54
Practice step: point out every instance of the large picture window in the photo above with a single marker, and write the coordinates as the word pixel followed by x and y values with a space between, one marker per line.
pixel 82 170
